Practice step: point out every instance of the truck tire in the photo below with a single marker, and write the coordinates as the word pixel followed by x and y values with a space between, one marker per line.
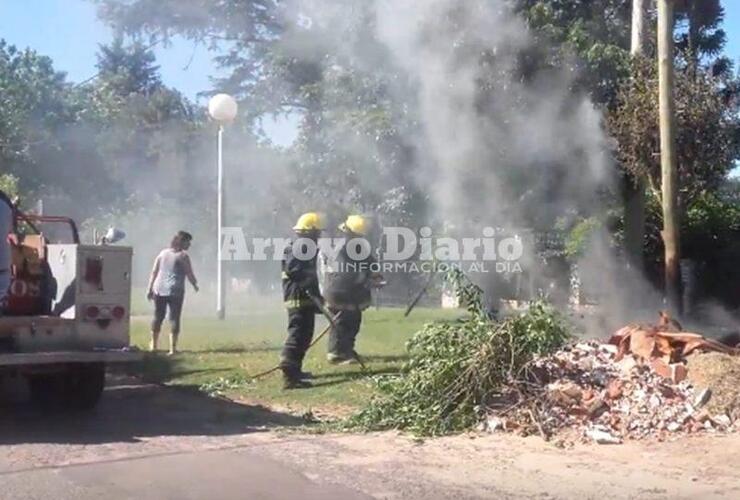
pixel 78 388
pixel 45 390
pixel 84 385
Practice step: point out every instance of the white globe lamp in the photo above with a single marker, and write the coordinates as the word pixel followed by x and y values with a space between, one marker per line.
pixel 223 108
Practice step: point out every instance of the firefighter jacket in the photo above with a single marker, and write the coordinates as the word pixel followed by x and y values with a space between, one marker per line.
pixel 300 281
pixel 346 283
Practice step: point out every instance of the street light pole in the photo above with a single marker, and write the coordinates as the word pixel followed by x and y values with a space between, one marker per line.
pixel 220 285
pixel 223 109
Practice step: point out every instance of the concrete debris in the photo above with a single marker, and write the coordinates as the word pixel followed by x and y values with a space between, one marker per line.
pixel 494 424
pixel 723 421
pixel 606 396
pixel 702 398
pixel 602 436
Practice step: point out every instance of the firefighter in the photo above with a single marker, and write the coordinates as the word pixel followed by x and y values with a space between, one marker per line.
pixel 347 283
pixel 6 227
pixel 302 298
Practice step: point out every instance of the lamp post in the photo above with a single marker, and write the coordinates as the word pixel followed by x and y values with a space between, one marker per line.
pixel 223 109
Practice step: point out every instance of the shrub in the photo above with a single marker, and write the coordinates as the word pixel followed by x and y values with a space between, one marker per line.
pixel 454 368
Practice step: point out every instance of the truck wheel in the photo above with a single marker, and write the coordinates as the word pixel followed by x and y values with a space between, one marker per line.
pixel 46 390
pixel 83 386
pixel 78 388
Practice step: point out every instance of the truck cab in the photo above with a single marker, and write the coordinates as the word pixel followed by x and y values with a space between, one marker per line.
pixel 66 315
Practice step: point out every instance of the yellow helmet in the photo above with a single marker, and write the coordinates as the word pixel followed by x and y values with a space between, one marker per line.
pixel 310 221
pixel 356 224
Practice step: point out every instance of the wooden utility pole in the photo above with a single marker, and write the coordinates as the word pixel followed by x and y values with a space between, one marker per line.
pixel 669 169
pixel 634 209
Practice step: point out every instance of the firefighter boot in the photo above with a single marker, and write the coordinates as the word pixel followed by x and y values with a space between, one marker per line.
pixel 293 379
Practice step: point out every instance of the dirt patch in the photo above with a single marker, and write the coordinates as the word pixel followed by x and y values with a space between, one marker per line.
pixel 322 412
pixel 721 374
pixel 391 466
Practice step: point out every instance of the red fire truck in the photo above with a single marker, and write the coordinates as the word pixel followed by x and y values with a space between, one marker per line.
pixel 66 313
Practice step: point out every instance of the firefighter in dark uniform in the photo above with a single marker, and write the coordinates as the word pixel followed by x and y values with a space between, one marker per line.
pixel 7 221
pixel 302 298
pixel 347 287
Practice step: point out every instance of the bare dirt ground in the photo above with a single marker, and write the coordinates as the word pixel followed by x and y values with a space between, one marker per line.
pixel 148 439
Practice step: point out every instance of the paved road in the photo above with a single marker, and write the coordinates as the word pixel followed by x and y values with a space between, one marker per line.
pixel 222 474
pixel 149 442
pixel 152 442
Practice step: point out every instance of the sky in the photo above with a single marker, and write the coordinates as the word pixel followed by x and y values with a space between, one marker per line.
pixel 69 32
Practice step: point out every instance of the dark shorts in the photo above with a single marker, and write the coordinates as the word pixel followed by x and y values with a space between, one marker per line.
pixel 161 305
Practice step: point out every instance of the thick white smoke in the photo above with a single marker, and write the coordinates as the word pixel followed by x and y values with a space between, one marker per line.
pixel 486 129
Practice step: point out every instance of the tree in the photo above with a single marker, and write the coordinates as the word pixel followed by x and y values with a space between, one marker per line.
pixel 707 125
pixel 244 31
pixel 700 34
pixel 293 60
pixel 639 28
pixel 349 148
pixel 706 145
pixel 33 105
pixel 597 32
pixel 144 131
pixel 39 143
pixel 128 69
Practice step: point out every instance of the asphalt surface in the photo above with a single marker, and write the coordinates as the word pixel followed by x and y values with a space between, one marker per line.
pixel 223 474
pixel 155 442
pixel 148 442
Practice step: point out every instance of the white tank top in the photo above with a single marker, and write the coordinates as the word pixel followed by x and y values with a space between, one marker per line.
pixel 172 272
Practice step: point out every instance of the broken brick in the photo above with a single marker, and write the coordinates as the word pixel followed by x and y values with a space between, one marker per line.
pixel 614 389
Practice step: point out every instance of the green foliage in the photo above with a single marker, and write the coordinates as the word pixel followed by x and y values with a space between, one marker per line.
pixel 455 367
pixel 33 104
pixel 9 185
pixel 701 35
pixel 128 69
pixel 596 32
pixel 710 227
pixel 706 141
pixel 711 224
pixel 248 31
pixel 353 123
pixel 223 385
pixel 711 213
pixel 92 146
pixel 578 237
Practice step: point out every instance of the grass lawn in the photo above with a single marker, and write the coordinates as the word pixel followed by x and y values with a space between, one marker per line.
pixel 222 354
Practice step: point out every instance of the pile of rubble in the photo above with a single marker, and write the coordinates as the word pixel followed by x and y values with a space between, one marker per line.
pixel 634 387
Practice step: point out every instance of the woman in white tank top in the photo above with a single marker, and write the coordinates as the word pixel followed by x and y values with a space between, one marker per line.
pixel 167 287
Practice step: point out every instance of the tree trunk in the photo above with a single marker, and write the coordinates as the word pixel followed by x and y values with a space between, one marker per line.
pixel 639 10
pixel 634 210
pixel 670 233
